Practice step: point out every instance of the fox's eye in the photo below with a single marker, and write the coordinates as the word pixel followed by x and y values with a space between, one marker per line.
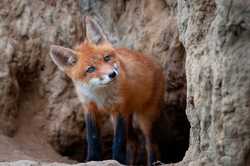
pixel 90 69
pixel 107 58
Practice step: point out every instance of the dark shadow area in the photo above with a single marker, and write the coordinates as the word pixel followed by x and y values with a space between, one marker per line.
pixel 76 151
pixel 172 134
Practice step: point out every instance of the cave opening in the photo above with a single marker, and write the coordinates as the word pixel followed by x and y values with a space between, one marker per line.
pixel 172 135
pixel 173 128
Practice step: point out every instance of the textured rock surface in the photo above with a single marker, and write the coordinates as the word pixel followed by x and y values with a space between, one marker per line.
pixel 38 102
pixel 33 163
pixel 216 37
pixel 31 87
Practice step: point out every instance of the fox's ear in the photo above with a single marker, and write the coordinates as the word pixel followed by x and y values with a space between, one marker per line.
pixel 63 57
pixel 94 32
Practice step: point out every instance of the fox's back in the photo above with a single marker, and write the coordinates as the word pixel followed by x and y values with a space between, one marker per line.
pixel 144 78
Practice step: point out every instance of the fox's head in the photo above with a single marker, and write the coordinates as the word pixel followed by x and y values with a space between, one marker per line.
pixel 94 63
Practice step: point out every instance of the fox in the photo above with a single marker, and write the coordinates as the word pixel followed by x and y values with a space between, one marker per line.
pixel 124 83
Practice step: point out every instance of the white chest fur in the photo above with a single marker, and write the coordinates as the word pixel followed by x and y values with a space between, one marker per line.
pixel 103 97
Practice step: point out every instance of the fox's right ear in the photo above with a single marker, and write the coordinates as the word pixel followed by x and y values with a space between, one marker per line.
pixel 63 57
pixel 93 31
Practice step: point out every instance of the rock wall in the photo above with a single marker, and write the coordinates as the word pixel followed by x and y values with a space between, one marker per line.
pixel 39 101
pixel 33 163
pixel 36 99
pixel 215 34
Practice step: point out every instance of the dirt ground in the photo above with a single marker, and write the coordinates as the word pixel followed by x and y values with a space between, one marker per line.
pixel 29 141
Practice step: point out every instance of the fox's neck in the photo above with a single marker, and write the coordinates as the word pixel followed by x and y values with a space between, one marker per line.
pixel 104 98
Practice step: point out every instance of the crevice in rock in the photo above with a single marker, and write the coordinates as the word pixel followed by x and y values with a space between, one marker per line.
pixel 30 137
pixel 76 151
pixel 173 128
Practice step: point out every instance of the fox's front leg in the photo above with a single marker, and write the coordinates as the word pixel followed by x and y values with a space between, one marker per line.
pixel 120 139
pixel 145 121
pixel 93 135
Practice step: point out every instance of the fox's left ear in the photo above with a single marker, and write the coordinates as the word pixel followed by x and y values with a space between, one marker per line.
pixel 94 32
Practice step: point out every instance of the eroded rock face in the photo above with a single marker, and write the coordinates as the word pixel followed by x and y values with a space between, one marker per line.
pixel 32 86
pixel 30 83
pixel 216 37
pixel 33 163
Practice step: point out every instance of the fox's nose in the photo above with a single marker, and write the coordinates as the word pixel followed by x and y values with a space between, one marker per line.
pixel 112 75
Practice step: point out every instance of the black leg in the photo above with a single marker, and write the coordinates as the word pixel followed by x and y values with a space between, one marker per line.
pixel 119 141
pixel 93 138
pixel 151 151
pixel 152 157
pixel 132 141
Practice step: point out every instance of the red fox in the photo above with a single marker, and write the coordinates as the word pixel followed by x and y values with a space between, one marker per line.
pixel 122 82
